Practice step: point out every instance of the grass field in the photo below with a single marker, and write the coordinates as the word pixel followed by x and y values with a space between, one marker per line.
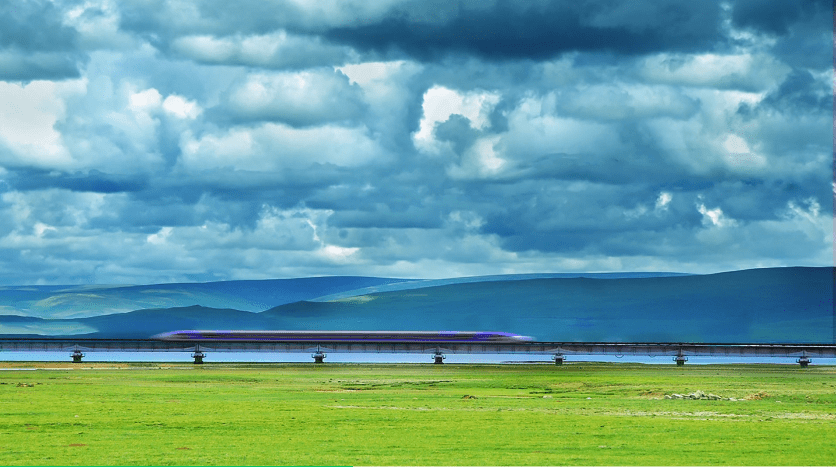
pixel 339 414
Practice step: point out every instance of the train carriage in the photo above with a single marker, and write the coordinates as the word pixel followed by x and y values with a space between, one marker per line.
pixel 341 336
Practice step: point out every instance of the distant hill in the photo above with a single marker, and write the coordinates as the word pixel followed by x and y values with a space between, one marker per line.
pixel 139 324
pixel 28 326
pixel 85 301
pixel 757 306
pixel 144 323
pixel 423 283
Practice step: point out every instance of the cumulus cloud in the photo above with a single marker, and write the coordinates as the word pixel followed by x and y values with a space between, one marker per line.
pixel 181 107
pixel 28 114
pixel 297 98
pixel 439 103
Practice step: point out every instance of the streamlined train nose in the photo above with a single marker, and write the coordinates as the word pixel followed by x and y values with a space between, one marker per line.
pixel 164 336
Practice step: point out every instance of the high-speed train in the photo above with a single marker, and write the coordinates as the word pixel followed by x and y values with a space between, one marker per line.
pixel 343 336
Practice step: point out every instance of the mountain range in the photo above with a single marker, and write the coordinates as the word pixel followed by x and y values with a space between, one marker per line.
pixel 770 305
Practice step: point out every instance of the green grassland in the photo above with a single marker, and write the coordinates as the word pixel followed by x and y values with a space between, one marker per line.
pixel 341 414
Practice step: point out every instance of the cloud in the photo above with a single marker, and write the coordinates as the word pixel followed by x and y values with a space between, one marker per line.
pixel 18 65
pixel 714 217
pixel 504 30
pixel 96 26
pixel 275 50
pixel 166 141
pixel 440 103
pixel 35 44
pixel 622 101
pixel 273 147
pixel 743 72
pixel 92 181
pixel 150 100
pixel 801 91
pixel 303 98
pixel 181 107
pixel 28 114
pixel 798 34
pixel 776 17
pixel 663 201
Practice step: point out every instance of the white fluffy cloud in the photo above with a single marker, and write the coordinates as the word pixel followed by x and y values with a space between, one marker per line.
pixel 28 114
pixel 299 98
pixel 181 107
pixel 439 103
pixel 150 100
pixel 741 71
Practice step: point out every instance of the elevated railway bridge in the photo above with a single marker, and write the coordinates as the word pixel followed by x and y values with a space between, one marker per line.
pixel 680 351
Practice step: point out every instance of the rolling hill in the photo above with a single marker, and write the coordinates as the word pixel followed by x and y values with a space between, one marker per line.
pixel 761 305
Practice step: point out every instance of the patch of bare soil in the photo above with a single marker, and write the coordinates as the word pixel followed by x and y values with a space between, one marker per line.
pixel 756 396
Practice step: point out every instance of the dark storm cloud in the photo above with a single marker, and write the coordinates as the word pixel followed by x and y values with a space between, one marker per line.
pixel 536 30
pixel 800 92
pixel 803 30
pixel 752 200
pixel 35 26
pixel 156 18
pixel 777 17
pixel 457 130
pixel 265 35
pixel 18 65
pixel 551 223
pixel 612 169
pixel 35 44
pixel 93 181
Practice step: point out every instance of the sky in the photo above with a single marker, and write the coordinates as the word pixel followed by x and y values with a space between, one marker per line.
pixel 153 141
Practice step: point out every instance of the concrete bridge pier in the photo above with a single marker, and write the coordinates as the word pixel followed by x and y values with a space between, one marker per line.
pixel 680 359
pixel 318 356
pixel 439 357
pixel 804 360
pixel 558 359
pixel 198 355
pixel 77 355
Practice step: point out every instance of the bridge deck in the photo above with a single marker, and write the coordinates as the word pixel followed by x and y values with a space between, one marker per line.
pixel 542 348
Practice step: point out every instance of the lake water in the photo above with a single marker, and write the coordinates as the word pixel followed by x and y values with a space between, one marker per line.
pixel 268 357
